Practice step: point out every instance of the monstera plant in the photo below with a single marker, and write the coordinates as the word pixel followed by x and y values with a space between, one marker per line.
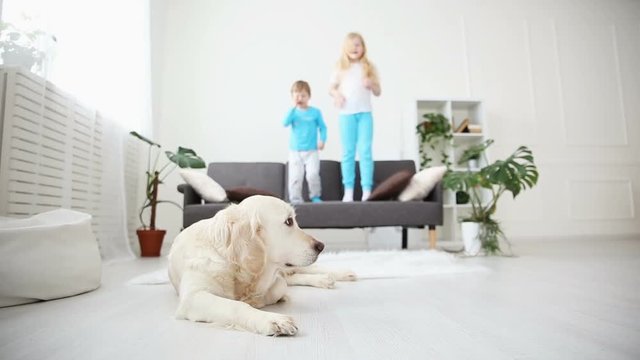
pixel 514 174
pixel 151 238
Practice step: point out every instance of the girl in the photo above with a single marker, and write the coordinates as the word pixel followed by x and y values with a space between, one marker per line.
pixel 352 84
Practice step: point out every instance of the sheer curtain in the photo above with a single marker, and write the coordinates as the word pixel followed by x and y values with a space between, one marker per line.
pixel 101 56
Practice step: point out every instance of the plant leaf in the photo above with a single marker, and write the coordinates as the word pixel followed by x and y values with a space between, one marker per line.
pixel 186 158
pixel 150 142
pixel 474 151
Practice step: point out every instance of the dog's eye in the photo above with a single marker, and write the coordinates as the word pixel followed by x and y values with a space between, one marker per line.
pixel 288 222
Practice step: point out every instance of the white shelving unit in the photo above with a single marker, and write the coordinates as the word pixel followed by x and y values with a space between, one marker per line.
pixel 456 110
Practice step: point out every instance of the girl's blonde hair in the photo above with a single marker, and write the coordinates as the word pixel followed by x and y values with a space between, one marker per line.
pixel 344 62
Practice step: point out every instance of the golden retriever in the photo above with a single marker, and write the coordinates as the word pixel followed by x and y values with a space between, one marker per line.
pixel 225 268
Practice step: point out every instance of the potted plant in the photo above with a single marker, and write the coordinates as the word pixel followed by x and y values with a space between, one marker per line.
pixel 471 156
pixel 23 47
pixel 433 131
pixel 149 237
pixel 513 174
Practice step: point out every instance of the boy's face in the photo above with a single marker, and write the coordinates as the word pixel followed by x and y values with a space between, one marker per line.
pixel 301 98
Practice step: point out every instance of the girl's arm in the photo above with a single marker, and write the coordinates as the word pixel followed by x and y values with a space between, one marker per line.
pixel 372 82
pixel 334 90
pixel 338 98
pixel 375 87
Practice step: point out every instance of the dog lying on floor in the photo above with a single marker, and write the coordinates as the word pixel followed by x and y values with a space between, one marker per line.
pixel 226 268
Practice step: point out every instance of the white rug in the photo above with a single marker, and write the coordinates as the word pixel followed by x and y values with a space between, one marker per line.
pixel 375 264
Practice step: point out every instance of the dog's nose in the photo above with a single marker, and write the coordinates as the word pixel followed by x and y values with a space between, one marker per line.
pixel 318 246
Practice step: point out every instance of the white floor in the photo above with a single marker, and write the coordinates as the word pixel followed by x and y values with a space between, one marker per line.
pixel 556 300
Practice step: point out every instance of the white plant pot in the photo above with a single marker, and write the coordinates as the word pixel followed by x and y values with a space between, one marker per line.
pixel 473 164
pixel 19 57
pixel 471 237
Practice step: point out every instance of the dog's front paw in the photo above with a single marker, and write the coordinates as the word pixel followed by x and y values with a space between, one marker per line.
pixel 277 324
pixel 345 276
pixel 325 281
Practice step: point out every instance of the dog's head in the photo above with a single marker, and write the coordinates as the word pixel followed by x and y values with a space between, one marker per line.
pixel 264 229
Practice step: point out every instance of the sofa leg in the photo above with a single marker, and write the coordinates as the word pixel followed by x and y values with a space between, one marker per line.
pixel 404 238
pixel 432 237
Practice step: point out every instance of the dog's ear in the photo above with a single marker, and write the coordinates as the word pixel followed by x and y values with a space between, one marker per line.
pixel 240 232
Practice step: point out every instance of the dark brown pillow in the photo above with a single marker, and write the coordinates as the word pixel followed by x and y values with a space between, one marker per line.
pixel 242 192
pixel 392 186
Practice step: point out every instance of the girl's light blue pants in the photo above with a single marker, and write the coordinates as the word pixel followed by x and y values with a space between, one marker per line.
pixel 356 133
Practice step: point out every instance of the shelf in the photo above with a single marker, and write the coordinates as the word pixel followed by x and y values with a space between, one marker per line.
pixel 456 110
pixel 468 135
pixel 464 169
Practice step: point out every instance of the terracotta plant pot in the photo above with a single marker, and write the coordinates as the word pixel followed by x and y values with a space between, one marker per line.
pixel 150 241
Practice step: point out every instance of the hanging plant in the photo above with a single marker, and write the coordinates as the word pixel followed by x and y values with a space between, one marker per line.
pixel 433 132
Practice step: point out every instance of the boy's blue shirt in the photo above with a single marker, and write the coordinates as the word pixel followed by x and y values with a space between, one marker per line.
pixel 305 125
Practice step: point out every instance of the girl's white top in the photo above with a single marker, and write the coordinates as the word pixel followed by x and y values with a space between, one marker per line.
pixel 357 97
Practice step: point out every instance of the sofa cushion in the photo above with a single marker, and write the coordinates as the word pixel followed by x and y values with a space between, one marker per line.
pixel 205 186
pixel 267 176
pixel 330 178
pixel 392 186
pixel 422 183
pixel 193 213
pixel 242 192
pixel 357 214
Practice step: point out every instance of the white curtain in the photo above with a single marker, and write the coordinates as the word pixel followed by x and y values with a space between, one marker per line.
pixel 101 56
pixel 101 53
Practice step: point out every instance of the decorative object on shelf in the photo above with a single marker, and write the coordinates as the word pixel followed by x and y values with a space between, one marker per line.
pixel 30 49
pixel 474 128
pixel 462 197
pixel 463 127
pixel 434 132
pixel 149 237
pixel 513 174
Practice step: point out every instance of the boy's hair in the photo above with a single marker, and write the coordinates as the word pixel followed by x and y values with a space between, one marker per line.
pixel 301 85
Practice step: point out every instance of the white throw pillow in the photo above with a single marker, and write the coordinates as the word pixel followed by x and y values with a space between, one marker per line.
pixel 205 186
pixel 422 183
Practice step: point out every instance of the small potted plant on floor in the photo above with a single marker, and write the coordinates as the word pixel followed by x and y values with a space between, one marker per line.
pixel 513 174
pixel 149 237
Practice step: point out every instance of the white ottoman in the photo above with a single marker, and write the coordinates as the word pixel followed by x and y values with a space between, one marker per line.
pixel 47 256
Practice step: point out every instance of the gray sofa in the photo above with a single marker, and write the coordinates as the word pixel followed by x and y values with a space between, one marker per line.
pixel 332 212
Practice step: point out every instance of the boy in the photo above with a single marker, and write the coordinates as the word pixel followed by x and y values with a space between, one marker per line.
pixel 305 121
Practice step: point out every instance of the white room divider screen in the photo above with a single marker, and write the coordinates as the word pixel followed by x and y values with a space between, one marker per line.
pixel 57 153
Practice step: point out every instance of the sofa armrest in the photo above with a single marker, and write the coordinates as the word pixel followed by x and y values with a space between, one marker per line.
pixel 436 194
pixel 191 197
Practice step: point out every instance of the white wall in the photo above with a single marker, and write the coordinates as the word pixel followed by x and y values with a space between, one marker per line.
pixel 561 77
